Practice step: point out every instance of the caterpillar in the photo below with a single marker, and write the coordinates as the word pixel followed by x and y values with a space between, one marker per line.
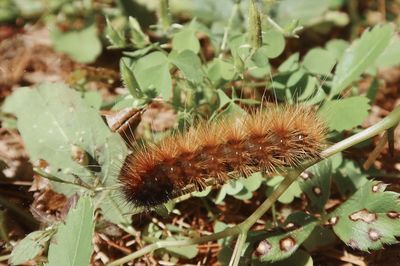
pixel 213 153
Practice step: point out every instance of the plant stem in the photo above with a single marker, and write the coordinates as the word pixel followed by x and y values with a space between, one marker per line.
pixel 228 27
pixel 388 122
pixel 237 252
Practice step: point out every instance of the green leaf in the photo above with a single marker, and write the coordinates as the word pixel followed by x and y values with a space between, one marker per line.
pixel 312 92
pixel 337 48
pixel 373 90
pixel 369 219
pixel 316 184
pixel 253 182
pixel 83 46
pixel 349 178
pixel 250 184
pixel 152 73
pixel 128 77
pixel 29 247
pixel 303 10
pixel 114 208
pixel 391 55
pixel 190 65
pixel 299 258
pixel 359 56
pixel 72 245
pixel 346 113
pixel 53 120
pixel 288 196
pixel 321 236
pixel 8 11
pixel 319 61
pixel 30 8
pixel 260 57
pixel 93 99
pixel 138 38
pixel 114 36
pixel 290 64
pixel 295 78
pixel 219 69
pixel 186 40
pixel 280 245
pixel 275 43
pixel 203 193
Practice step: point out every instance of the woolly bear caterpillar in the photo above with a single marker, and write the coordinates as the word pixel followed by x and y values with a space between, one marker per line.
pixel 282 136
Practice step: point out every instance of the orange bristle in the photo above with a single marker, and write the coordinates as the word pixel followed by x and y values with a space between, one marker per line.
pixel 263 141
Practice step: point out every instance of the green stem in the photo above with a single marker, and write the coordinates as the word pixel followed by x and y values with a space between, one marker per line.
pixel 235 9
pixel 59 180
pixel 237 252
pixel 388 122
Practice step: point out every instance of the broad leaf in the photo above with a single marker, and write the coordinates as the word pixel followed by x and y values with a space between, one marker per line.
pixel 303 10
pixel 220 70
pixel 186 40
pixel 29 247
pixel 289 195
pixel 345 114
pixel 280 245
pixel 83 46
pixel 274 42
pixel 359 56
pixel 190 65
pixel 152 73
pixel 316 184
pixel 72 245
pixel 319 61
pixel 349 177
pixel 369 219
pixel 54 122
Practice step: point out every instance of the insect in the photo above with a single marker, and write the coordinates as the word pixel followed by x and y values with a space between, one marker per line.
pixel 213 153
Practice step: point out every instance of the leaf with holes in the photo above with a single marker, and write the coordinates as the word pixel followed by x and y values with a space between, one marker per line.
pixel 274 246
pixel 299 258
pixel 316 184
pixel 368 219
pixel 72 245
